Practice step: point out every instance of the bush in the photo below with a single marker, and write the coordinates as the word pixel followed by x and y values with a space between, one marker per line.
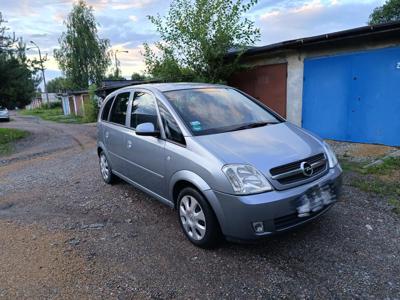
pixel 52 105
pixel 91 106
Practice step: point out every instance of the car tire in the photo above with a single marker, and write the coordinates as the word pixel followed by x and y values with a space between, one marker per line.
pixel 197 219
pixel 105 169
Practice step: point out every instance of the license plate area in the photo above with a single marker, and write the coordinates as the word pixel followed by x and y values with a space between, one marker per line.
pixel 314 200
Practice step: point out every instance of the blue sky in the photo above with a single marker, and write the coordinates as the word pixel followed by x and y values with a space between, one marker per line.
pixel 124 22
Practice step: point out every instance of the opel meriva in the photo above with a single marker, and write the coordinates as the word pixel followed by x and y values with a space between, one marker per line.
pixel 229 165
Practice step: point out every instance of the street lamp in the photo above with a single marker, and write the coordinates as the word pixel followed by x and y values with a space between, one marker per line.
pixel 44 78
pixel 117 61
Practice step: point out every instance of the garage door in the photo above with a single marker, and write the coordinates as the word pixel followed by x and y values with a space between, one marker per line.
pixel 265 83
pixel 354 97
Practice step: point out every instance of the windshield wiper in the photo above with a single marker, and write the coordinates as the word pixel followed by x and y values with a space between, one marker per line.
pixel 253 125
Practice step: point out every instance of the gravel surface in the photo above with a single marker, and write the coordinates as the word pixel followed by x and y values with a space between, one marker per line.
pixel 66 234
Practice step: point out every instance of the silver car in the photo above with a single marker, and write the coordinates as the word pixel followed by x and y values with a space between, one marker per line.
pixel 4 114
pixel 228 164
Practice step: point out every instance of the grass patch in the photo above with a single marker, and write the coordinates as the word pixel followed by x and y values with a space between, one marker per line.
pixel 390 164
pixel 382 180
pixel 351 166
pixel 9 135
pixel 377 186
pixel 396 205
pixel 53 114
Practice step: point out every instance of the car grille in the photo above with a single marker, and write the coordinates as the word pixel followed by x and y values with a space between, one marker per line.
pixel 292 173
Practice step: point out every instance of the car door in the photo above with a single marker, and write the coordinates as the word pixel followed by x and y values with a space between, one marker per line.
pixel 146 154
pixel 114 132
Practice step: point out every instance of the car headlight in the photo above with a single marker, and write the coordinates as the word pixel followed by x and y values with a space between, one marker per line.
pixel 246 179
pixel 332 159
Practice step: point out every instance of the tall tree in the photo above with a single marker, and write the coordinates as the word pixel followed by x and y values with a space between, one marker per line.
pixel 196 36
pixel 18 80
pixel 83 55
pixel 58 84
pixel 388 12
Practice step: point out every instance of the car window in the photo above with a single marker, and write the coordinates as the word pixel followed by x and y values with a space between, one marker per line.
pixel 143 110
pixel 106 109
pixel 171 128
pixel 119 108
pixel 216 110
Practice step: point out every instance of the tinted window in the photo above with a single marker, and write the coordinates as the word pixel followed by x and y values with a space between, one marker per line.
pixel 215 110
pixel 119 108
pixel 106 109
pixel 171 128
pixel 143 110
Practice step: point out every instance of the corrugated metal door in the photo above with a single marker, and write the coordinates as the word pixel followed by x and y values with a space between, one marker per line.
pixel 354 97
pixel 265 83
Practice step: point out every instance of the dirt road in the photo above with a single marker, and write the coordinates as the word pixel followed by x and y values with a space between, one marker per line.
pixel 66 234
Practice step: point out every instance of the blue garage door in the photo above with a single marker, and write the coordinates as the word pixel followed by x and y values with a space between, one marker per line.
pixel 354 97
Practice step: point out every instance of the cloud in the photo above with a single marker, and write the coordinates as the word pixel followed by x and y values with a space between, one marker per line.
pixel 134 19
pixel 313 18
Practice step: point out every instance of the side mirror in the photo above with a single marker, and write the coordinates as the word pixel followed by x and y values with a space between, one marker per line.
pixel 147 129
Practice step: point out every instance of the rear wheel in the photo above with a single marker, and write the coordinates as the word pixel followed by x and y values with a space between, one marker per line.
pixel 197 219
pixel 105 169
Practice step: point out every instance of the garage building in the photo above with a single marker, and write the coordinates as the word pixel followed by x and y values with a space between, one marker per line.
pixel 343 86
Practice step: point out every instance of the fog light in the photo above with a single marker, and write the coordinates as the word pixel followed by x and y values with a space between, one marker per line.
pixel 258 227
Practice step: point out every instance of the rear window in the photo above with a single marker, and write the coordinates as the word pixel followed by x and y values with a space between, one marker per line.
pixel 106 109
pixel 119 109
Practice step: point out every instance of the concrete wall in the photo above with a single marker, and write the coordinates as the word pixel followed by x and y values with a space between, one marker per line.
pixel 295 61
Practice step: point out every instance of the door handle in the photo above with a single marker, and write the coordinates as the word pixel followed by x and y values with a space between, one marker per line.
pixel 107 134
pixel 129 145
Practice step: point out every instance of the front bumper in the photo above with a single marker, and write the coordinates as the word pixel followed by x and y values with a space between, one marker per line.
pixel 4 117
pixel 277 209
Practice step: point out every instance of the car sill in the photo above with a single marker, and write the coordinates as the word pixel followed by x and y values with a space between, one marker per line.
pixel 146 190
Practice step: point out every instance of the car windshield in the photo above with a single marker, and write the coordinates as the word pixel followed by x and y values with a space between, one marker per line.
pixel 217 110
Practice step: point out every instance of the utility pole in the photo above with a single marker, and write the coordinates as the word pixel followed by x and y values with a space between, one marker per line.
pixel 44 78
pixel 117 61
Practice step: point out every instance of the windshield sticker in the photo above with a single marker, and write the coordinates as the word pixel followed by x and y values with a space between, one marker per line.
pixel 196 126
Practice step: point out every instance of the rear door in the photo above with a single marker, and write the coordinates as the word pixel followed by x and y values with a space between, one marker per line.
pixel 114 132
pixel 146 154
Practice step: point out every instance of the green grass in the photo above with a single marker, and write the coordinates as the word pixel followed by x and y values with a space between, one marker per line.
pixel 53 114
pixel 388 165
pixel 377 186
pixel 382 180
pixel 395 203
pixel 9 135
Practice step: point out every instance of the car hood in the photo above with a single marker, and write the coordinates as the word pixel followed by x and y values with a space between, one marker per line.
pixel 263 147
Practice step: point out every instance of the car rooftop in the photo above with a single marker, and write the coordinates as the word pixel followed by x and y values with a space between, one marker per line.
pixel 164 87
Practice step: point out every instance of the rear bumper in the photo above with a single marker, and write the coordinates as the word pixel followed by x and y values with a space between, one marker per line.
pixel 277 210
pixel 5 117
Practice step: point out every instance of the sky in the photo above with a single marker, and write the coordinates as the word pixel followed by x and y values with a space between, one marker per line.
pixel 125 23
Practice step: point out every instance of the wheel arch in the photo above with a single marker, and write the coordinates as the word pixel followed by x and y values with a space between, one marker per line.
pixel 186 178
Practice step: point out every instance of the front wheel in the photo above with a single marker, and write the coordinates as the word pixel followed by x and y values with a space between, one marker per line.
pixel 105 169
pixel 197 219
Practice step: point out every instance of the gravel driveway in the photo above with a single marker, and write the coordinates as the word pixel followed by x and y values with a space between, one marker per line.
pixel 66 234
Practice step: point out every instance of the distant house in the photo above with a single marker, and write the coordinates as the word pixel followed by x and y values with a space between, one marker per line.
pixel 73 102
pixel 342 85
pixel 53 97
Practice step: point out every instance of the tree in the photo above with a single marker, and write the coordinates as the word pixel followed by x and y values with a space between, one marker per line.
pixel 59 84
pixel 389 12
pixel 196 36
pixel 18 79
pixel 83 56
pixel 138 77
pixel 114 76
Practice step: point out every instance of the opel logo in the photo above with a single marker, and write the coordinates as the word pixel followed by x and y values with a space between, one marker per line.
pixel 306 168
